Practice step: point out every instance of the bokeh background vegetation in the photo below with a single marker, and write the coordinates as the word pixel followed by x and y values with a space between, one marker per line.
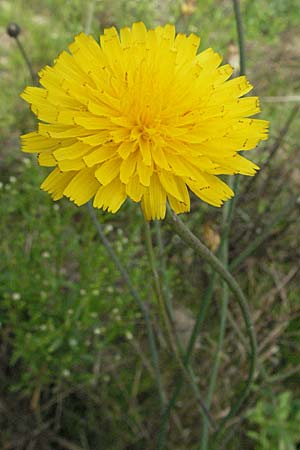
pixel 74 369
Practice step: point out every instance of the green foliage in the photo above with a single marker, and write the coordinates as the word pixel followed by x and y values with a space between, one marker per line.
pixel 61 296
pixel 277 423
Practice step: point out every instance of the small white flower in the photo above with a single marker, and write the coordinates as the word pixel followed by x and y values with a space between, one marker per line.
pixel 108 228
pixel 56 207
pixel 66 373
pixel 26 162
pixel 16 296
pixel 97 331
pixel 129 335
pixel 46 255
pixel 12 179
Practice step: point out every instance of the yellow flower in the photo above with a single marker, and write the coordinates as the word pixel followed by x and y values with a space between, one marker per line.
pixel 141 116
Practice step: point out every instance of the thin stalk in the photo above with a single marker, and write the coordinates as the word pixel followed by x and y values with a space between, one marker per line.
pixel 89 16
pixel 162 270
pixel 135 295
pixel 191 240
pixel 26 59
pixel 240 34
pixel 157 286
pixel 216 364
pixel 186 361
pixel 227 218
pixel 175 344
pixel 242 53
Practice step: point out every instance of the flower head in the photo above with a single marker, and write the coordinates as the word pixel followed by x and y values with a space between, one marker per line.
pixel 141 115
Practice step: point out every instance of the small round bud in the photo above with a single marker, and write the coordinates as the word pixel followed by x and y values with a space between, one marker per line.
pixel 13 30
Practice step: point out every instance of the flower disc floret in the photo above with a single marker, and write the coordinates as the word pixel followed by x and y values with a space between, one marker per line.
pixel 142 115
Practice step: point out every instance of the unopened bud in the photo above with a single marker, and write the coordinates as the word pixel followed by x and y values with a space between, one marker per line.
pixel 13 30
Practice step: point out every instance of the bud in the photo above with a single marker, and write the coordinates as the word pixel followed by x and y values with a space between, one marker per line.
pixel 13 30
pixel 188 7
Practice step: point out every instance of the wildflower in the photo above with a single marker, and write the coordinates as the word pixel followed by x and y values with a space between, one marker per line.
pixel 142 116
pixel 12 179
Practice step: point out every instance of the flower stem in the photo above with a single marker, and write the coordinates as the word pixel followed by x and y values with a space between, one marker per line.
pixel 26 59
pixel 190 239
pixel 240 33
pixel 135 295
pixel 186 362
pixel 227 218
pixel 162 269
pixel 175 343
pixel 89 16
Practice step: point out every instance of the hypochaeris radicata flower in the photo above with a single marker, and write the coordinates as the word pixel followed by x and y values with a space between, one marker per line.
pixel 142 116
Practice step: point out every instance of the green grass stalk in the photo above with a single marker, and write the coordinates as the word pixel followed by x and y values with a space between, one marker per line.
pixel 135 295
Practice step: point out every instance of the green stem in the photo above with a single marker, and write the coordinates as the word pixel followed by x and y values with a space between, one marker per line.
pixel 217 359
pixel 26 59
pixel 242 53
pixel 186 361
pixel 163 266
pixel 216 365
pixel 157 286
pixel 240 33
pixel 227 218
pixel 190 239
pixel 135 295
pixel 175 343
pixel 89 16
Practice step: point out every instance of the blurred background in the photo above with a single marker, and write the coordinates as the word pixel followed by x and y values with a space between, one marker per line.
pixel 74 364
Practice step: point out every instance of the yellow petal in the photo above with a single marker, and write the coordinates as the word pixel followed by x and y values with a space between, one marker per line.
pixel 134 189
pixel 46 159
pixel 56 183
pixel 144 172
pixel 128 167
pixel 82 187
pixel 177 206
pixel 100 154
pixel 154 200
pixel 108 171
pixel 110 197
pixel 71 164
pixel 173 185
pixel 73 151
